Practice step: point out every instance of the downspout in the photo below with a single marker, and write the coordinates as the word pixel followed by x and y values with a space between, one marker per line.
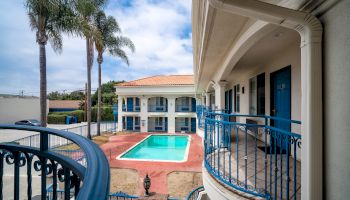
pixel 310 30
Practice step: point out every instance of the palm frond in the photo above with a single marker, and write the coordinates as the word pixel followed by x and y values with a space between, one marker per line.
pixel 120 53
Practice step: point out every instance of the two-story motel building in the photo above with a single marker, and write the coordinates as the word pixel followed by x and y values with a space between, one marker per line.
pixel 164 103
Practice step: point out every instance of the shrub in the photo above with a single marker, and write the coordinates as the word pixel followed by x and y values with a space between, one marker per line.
pixel 76 113
pixel 56 119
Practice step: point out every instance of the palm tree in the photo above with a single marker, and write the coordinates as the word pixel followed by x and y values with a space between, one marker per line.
pixel 108 26
pixel 48 19
pixel 85 10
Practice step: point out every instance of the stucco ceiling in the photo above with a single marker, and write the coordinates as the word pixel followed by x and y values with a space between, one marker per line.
pixel 268 47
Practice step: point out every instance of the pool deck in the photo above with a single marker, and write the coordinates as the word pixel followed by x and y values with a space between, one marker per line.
pixel 157 171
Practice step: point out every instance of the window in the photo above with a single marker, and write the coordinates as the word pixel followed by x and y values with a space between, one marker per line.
pixel 237 98
pixel 137 121
pixel 186 121
pixel 159 121
pixel 160 101
pixel 257 95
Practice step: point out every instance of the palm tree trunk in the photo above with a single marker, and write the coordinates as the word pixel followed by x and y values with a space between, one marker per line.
pixel 88 95
pixel 99 99
pixel 43 87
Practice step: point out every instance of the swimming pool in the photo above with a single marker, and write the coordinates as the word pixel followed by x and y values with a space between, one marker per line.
pixel 167 148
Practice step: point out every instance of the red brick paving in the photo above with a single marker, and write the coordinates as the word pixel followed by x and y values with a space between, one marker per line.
pixel 157 171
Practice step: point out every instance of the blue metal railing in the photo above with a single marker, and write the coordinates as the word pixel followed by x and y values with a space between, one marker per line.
pixel 185 108
pixel 258 156
pixel 193 195
pixel 157 108
pixel 87 183
pixel 130 109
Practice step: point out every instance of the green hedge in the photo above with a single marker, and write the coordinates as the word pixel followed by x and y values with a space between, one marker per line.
pixel 59 117
pixel 75 113
pixel 56 119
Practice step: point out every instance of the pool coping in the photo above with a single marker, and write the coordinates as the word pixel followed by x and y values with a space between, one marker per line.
pixel 119 157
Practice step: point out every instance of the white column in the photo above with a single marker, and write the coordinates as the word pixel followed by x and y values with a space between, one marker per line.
pixel 120 113
pixel 143 114
pixel 207 99
pixel 311 117
pixel 220 88
pixel 171 114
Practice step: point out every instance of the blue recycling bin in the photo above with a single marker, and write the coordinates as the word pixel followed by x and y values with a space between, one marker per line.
pixel 68 119
pixel 74 119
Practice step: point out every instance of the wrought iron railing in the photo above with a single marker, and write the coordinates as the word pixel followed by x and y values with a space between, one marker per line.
pixel 130 109
pixel 185 108
pixel 157 108
pixel 87 182
pixel 193 195
pixel 256 155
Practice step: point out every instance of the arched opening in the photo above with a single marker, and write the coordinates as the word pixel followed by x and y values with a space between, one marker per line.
pixel 185 104
pixel 157 104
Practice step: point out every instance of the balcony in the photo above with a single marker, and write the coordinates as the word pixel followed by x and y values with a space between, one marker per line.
pixel 132 104
pixel 157 104
pixel 131 109
pixel 55 166
pixel 254 158
pixel 185 104
pixel 157 124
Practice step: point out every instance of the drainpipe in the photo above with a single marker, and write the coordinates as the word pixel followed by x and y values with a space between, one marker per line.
pixel 310 30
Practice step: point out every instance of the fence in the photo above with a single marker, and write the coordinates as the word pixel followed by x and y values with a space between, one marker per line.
pixel 258 157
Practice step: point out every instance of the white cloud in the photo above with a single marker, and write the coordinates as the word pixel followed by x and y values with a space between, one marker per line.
pixel 156 27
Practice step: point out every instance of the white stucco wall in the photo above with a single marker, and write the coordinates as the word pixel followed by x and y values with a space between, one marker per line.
pixel 336 99
pixel 13 109
pixel 287 57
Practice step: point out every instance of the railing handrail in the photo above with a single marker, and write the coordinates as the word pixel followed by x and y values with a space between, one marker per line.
pixel 255 116
pixel 218 127
pixel 194 191
pixel 96 178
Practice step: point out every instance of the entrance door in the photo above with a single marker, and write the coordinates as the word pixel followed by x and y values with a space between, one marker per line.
pixel 281 105
pixel 193 125
pixel 130 102
pixel 129 123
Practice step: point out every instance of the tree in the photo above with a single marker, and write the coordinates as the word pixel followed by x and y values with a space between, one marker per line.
pixel 49 19
pixel 108 27
pixel 85 10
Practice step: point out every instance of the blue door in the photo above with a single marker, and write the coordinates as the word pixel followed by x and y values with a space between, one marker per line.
pixel 129 123
pixel 130 104
pixel 193 125
pixel 281 105
pixel 193 104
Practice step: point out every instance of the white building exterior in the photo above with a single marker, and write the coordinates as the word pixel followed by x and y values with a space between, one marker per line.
pixel 247 51
pixel 15 108
pixel 157 104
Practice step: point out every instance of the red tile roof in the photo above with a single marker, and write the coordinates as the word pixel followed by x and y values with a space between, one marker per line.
pixel 160 80
pixel 64 104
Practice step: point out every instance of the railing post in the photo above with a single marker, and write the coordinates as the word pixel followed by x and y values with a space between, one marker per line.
pixel 44 146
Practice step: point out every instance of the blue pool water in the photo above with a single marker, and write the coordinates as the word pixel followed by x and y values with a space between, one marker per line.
pixel 160 148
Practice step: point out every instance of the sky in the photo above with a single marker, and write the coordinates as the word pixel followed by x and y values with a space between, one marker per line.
pixel 160 30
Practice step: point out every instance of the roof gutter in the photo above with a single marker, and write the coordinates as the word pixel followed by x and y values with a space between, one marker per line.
pixel 310 30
